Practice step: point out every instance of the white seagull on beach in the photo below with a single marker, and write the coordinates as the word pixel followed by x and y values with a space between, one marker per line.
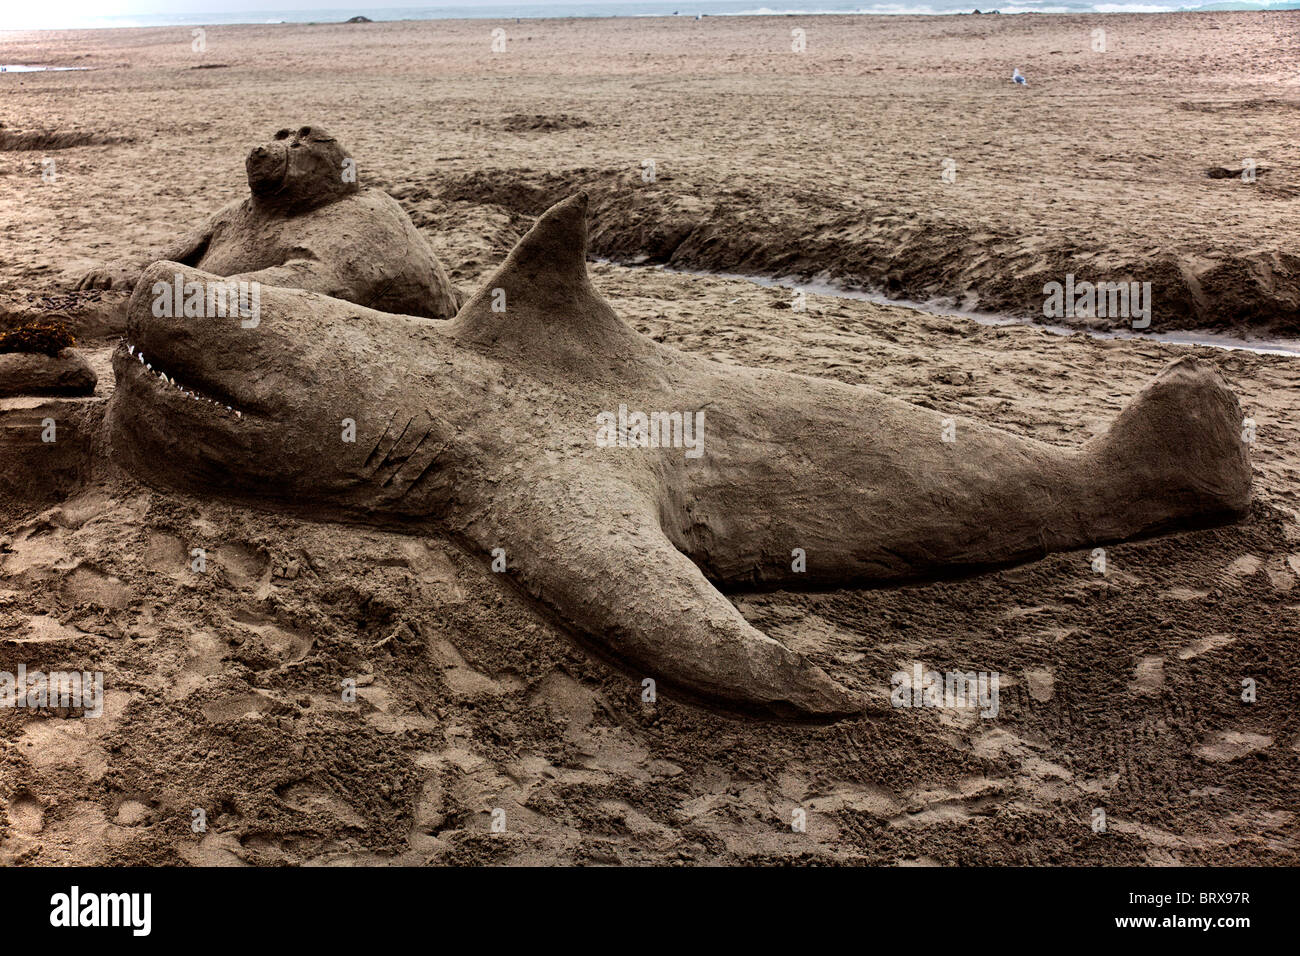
pixel 1018 77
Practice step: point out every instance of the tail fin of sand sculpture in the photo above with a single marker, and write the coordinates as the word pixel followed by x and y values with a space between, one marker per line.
pixel 489 425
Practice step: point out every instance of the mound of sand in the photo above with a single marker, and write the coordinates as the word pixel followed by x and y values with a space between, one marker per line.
pixel 44 140
pixel 28 373
pixel 542 123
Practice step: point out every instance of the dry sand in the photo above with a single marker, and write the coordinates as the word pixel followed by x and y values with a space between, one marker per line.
pixel 1120 691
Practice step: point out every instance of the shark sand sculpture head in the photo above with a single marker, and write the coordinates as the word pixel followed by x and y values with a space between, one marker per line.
pixel 497 427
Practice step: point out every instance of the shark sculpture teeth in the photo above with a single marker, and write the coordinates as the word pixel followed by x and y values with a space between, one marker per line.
pixel 164 377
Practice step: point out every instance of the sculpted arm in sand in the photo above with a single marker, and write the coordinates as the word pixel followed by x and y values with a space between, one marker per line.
pixel 490 426
pixel 121 274
pixel 307 225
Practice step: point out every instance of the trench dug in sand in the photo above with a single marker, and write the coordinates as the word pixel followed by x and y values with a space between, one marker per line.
pixel 922 258
pixel 45 140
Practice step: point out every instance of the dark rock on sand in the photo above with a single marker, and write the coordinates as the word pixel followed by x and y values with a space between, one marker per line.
pixel 1223 172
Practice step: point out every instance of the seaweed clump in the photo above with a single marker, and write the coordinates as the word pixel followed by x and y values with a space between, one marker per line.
pixel 42 337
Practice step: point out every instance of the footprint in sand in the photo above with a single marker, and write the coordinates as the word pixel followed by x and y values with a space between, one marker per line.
pixel 43 629
pixel 239 707
pixel 567 701
pixel 89 585
pixel 1229 745
pixel 316 801
pixel 433 568
pixel 75 512
pixel 35 554
pixel 75 744
pixel 243 564
pixel 272 640
pixel 1281 571
pixel 1204 645
pixel 26 819
pixel 1243 567
pixel 1041 684
pixel 1149 676
pixel 853 797
pixel 26 815
pixel 215 849
pixel 805 632
pixel 463 680
pixel 166 554
pixel 968 798
pixel 133 813
pixel 204 654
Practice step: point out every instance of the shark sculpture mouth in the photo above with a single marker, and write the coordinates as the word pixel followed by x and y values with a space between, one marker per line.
pixel 131 364
pixel 488 426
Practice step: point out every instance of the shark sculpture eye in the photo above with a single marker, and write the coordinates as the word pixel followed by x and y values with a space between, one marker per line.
pixel 282 134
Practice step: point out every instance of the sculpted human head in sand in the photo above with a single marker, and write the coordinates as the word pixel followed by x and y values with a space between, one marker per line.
pixel 308 223
pixel 489 427
pixel 299 170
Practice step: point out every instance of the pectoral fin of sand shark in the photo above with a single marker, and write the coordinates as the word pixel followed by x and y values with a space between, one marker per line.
pixel 593 549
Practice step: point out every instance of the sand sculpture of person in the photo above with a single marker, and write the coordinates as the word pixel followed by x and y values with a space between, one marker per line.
pixel 308 224
pixel 621 481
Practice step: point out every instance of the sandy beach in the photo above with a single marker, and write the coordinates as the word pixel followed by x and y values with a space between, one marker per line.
pixel 894 156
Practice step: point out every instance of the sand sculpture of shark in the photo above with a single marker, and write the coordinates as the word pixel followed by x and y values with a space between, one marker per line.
pixel 518 425
pixel 308 224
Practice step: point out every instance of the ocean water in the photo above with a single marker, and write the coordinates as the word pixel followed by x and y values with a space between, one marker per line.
pixel 35 18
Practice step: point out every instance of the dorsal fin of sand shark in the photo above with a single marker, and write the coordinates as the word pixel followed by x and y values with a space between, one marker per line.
pixel 496 424
pixel 552 312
